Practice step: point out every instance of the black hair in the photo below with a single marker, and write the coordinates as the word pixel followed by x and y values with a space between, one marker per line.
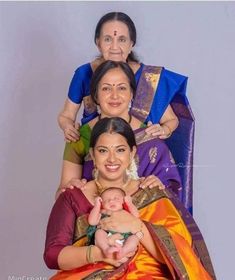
pixel 103 68
pixel 119 16
pixel 113 125
pixel 114 188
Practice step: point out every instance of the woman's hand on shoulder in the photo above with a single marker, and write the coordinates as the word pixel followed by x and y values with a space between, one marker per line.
pixel 151 181
pixel 77 183
pixel 155 130
pixel 71 132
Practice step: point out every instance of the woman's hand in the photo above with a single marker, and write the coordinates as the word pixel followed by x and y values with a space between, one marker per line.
pixel 157 130
pixel 78 183
pixel 71 131
pixel 120 221
pixel 99 257
pixel 151 181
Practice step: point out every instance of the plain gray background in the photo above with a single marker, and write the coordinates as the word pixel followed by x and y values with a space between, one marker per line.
pixel 41 44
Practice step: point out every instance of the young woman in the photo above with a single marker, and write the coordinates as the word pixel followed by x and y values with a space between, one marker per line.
pixel 165 248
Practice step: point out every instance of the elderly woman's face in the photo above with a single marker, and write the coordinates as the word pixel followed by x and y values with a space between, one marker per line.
pixel 114 94
pixel 114 42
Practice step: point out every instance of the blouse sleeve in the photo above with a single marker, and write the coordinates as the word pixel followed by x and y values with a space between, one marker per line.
pixel 75 152
pixel 80 83
pixel 59 229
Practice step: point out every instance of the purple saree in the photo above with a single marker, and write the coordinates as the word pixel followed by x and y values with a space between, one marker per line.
pixel 157 88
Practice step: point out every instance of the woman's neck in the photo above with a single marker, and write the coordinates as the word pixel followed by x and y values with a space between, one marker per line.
pixel 128 185
pixel 125 116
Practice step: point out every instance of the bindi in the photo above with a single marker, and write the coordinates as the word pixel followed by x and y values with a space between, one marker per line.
pixel 115 33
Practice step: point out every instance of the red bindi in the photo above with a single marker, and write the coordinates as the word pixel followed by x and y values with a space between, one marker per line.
pixel 115 33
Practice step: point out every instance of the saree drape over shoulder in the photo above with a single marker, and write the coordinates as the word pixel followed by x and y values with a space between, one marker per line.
pixel 173 237
pixel 157 88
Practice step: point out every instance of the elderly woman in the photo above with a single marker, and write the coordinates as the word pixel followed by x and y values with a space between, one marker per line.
pixel 165 250
pixel 158 91
pixel 113 87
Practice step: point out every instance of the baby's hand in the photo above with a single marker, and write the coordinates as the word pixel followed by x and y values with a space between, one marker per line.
pixel 98 202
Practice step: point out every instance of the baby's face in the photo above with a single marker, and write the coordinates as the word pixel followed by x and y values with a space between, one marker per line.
pixel 112 200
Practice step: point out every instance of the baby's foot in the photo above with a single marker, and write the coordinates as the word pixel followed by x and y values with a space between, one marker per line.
pixel 120 254
pixel 110 251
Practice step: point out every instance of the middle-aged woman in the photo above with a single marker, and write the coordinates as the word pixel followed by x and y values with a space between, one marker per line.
pixel 158 91
pixel 166 249
pixel 112 87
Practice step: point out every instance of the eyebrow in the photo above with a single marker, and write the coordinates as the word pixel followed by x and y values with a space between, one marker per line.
pixel 118 146
pixel 112 84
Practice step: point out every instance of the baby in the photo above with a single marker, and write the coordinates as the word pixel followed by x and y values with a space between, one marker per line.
pixel 112 199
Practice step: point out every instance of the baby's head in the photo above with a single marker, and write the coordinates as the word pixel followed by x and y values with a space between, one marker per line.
pixel 113 199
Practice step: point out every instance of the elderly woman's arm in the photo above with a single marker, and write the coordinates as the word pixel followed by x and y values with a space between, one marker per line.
pixel 167 124
pixel 66 120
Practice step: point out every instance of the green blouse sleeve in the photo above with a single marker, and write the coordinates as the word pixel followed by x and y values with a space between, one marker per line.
pixel 76 151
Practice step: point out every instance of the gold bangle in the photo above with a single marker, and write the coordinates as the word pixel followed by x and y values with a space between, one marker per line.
pixel 89 257
pixel 139 234
pixel 169 134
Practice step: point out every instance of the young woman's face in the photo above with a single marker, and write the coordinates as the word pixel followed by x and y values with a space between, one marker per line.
pixel 112 156
pixel 114 42
pixel 112 200
pixel 114 94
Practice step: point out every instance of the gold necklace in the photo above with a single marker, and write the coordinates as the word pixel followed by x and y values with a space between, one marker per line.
pixel 101 189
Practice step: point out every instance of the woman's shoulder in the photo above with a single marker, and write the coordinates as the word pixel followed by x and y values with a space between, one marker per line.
pixel 164 71
pixel 84 69
pixel 76 200
pixel 82 145
pixel 85 129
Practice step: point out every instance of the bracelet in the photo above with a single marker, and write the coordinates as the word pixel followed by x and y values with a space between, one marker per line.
pixel 169 134
pixel 89 257
pixel 139 234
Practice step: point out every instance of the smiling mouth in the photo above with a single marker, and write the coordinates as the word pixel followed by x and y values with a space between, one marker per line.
pixel 114 104
pixel 112 168
pixel 114 53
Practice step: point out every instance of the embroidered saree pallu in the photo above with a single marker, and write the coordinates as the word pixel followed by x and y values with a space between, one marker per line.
pixel 157 88
pixel 169 233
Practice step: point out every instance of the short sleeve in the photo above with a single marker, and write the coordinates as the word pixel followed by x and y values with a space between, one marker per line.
pixel 80 83
pixel 76 151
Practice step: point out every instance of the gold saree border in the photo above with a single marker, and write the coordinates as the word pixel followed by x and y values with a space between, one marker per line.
pixel 166 244
pixel 98 275
pixel 145 93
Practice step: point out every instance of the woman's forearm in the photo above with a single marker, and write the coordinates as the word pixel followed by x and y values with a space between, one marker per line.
pixel 72 257
pixel 149 244
pixel 169 121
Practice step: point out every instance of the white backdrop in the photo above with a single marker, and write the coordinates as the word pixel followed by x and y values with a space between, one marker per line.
pixel 41 44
